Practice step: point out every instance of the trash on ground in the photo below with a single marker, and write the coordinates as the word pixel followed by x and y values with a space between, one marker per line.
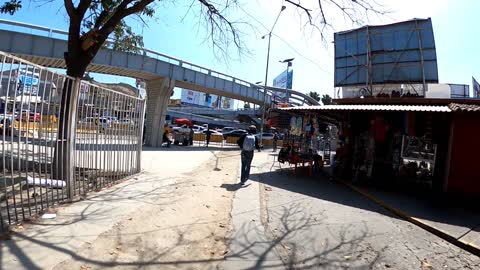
pixel 425 264
pixel 48 183
pixel 49 216
pixel 268 188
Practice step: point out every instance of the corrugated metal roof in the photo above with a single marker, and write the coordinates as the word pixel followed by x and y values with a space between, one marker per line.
pixel 457 107
pixel 407 108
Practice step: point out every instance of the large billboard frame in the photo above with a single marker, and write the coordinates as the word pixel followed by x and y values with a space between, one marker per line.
pixel 399 53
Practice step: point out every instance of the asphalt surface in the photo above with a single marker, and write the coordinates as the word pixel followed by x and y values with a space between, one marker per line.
pixel 278 221
pixel 315 223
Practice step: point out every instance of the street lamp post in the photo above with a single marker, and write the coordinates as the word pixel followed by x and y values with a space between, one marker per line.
pixel 266 74
pixel 289 64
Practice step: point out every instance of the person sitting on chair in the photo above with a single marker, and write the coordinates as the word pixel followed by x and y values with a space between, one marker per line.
pixel 165 138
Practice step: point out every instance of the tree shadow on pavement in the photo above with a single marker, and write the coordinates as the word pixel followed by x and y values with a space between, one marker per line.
pixel 96 209
pixel 291 243
pixel 234 187
pixel 319 187
pixel 327 254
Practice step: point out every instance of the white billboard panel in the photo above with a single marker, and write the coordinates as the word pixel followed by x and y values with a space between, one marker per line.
pixel 199 99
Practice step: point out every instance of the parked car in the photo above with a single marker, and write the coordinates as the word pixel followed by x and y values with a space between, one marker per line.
pixel 197 128
pixel 227 129
pixel 126 122
pixel 266 135
pixel 101 121
pixel 112 119
pixel 7 121
pixel 29 116
pixel 182 129
pixel 181 135
pixel 235 133
pixel 214 132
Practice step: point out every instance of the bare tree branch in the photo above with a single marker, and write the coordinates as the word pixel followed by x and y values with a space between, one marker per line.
pixel 70 8
pixel 82 7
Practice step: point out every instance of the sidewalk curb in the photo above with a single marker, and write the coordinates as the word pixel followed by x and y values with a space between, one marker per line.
pixel 470 247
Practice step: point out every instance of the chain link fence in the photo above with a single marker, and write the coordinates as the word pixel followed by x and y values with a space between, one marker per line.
pixel 61 138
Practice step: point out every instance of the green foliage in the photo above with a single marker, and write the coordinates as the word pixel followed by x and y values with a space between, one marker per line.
pixel 122 38
pixel 10 7
pixel 125 40
pixel 326 99
pixel 314 95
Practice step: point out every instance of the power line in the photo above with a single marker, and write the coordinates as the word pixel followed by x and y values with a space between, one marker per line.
pixel 286 43
pixel 301 55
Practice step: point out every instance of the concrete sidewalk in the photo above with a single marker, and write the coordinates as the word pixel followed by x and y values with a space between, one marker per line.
pixel 250 245
pixel 43 244
pixel 455 224
pixel 314 223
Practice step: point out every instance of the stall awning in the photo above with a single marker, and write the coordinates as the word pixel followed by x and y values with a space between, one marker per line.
pixel 362 107
pixel 456 107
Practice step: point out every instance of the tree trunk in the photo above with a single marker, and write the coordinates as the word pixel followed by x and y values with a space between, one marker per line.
pixel 62 159
pixel 77 60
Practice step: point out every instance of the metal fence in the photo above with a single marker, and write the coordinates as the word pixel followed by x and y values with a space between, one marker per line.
pixel 61 137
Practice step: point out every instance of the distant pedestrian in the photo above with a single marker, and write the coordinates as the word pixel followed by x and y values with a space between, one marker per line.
pixel 275 140
pixel 165 138
pixel 247 143
pixel 209 134
pixel 144 139
pixel 191 136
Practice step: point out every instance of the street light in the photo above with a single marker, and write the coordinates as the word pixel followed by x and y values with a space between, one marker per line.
pixel 266 73
pixel 289 64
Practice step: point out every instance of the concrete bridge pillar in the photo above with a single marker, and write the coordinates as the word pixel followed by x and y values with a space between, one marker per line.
pixel 158 95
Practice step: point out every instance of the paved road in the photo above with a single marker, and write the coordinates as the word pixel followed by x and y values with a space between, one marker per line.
pixel 176 215
pixel 286 222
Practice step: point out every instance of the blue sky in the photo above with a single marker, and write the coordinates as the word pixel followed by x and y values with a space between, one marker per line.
pixel 455 28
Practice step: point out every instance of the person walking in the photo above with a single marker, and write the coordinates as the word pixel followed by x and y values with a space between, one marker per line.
pixel 275 141
pixel 209 134
pixel 247 143
pixel 192 133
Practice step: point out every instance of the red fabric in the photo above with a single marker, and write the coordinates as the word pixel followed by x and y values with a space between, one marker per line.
pixel 411 124
pixel 380 130
pixel 464 175
pixel 183 121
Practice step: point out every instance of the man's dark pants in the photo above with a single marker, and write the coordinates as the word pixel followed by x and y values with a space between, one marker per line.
pixel 247 157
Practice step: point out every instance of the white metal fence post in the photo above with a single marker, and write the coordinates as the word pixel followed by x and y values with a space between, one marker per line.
pixel 71 139
pixel 140 136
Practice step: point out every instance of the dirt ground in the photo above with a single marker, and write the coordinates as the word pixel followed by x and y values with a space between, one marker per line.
pixel 185 229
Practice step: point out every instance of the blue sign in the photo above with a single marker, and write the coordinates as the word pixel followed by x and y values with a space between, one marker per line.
pixel 284 80
pixel 28 80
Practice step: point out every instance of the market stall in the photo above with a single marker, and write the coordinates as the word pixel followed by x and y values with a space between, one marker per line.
pixel 388 144
pixel 300 146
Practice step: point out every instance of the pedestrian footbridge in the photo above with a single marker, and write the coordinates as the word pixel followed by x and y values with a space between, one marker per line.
pixel 45 46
